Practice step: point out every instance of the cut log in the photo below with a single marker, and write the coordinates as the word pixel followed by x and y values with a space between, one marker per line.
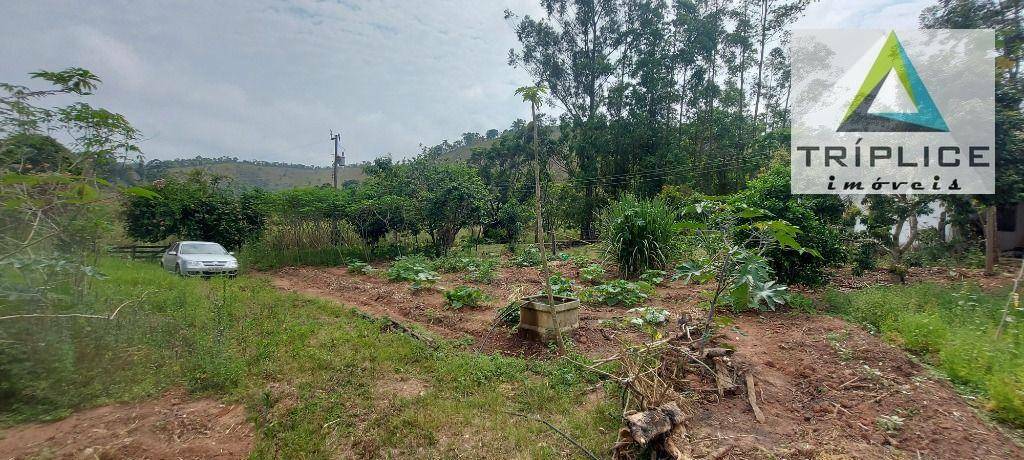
pixel 723 378
pixel 752 397
pixel 647 425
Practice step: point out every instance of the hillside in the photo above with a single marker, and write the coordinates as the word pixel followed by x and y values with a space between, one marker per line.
pixel 278 175
pixel 274 176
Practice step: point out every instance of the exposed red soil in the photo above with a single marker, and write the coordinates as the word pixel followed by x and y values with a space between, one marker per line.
pixel 426 308
pixel 171 427
pixel 826 386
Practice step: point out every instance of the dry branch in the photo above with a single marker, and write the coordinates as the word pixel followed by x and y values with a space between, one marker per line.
pixel 752 397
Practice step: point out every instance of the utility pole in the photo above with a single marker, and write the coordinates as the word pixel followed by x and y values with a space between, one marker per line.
pixel 336 138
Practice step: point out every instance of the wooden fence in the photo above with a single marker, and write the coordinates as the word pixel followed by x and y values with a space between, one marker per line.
pixel 146 251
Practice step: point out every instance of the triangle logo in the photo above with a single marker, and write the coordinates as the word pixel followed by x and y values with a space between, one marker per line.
pixel 893 59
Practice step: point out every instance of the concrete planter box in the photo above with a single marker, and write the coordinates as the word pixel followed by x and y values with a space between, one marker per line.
pixel 535 316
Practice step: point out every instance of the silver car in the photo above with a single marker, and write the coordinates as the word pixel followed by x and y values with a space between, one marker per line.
pixel 199 258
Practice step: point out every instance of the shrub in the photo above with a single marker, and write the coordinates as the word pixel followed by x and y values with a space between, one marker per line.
pixel 482 270
pixel 654 277
pixel 465 296
pixel 359 267
pixel 415 269
pixel 819 219
pixel 864 257
pixel 199 207
pixel 509 314
pixel 618 292
pixel 527 257
pixel 592 273
pixel 561 286
pixel 639 234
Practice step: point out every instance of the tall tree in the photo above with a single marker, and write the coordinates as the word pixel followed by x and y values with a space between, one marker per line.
pixel 1005 17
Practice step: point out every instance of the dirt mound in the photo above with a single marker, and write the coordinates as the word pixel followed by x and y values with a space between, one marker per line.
pixel 830 390
pixel 172 427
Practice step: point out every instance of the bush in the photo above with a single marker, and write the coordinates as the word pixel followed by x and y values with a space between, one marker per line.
pixel 639 234
pixel 592 273
pixel 561 286
pixel 465 296
pixel 527 257
pixel 482 270
pixel 415 269
pixel 618 292
pixel 198 207
pixel 819 219
pixel 359 267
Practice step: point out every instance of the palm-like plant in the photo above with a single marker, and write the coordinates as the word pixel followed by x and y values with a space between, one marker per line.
pixel 533 95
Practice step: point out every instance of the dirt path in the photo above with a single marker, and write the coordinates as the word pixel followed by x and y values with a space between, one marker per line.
pixel 427 309
pixel 829 389
pixel 171 427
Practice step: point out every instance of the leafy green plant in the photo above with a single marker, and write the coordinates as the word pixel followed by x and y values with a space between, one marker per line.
pixel 618 292
pixel 465 296
pixel 648 319
pixel 593 273
pixel 509 314
pixel 653 277
pixel 527 257
pixel 359 267
pixel 561 286
pixel 639 234
pixel 482 270
pixel 415 269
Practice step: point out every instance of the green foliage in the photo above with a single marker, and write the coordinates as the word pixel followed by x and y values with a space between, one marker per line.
pixel 864 256
pixel 359 267
pixel 528 256
pixel 413 268
pixel 561 286
pixel 593 273
pixel 653 277
pixel 198 207
pixel 639 234
pixel 618 292
pixel 289 359
pixel 482 270
pixel 465 296
pixel 817 218
pixel 509 314
pixel 952 328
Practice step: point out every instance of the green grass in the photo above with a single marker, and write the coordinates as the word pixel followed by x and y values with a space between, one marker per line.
pixel 952 328
pixel 298 364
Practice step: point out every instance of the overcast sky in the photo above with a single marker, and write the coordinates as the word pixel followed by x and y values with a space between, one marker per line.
pixel 265 79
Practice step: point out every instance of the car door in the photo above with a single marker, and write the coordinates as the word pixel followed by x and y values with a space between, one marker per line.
pixel 170 257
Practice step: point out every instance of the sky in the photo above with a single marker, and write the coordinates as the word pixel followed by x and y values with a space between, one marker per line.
pixel 269 80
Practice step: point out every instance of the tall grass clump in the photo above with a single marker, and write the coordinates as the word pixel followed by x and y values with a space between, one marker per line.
pixel 316 242
pixel 952 328
pixel 639 234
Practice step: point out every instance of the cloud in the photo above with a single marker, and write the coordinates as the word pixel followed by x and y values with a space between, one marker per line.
pixel 268 79
pixel 262 78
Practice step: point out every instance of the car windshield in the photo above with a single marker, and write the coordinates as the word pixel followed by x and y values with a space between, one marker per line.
pixel 202 248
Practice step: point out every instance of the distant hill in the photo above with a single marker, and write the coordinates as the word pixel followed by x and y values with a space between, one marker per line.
pixel 261 174
pixel 278 175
